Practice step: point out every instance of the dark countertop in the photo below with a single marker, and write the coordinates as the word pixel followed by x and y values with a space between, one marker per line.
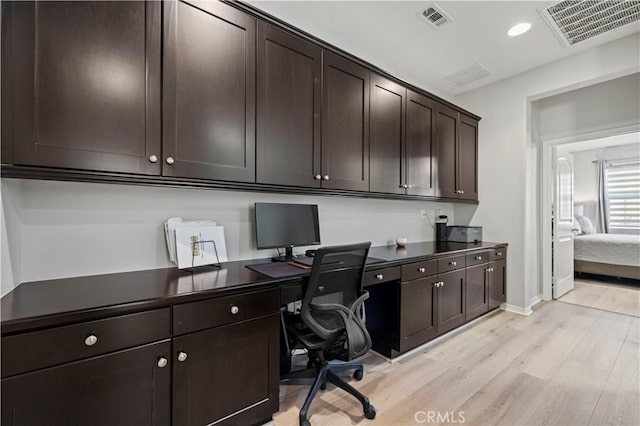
pixel 39 304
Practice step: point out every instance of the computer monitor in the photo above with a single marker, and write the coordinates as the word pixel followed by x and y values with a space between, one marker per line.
pixel 286 226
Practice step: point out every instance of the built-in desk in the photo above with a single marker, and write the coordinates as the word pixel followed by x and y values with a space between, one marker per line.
pixel 140 347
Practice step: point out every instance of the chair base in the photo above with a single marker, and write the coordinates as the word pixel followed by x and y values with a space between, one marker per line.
pixel 322 375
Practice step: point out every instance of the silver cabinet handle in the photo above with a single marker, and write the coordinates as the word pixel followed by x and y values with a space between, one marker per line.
pixel 379 277
pixel 182 356
pixel 461 191
pixel 325 177
pixel 454 263
pixel 91 340
pixel 153 158
pixel 421 270
pixel 170 160
pixel 488 270
pixel 317 177
pixel 499 253
pixel 234 309
pixel 162 362
pixel 441 283
pixel 478 257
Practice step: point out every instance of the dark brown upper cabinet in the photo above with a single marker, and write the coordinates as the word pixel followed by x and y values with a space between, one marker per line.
pixel 289 104
pixel 457 151
pixel 420 157
pixel 468 157
pixel 387 129
pixel 81 85
pixel 209 92
pixel 345 124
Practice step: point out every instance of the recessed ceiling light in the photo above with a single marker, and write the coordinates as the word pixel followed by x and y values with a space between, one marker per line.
pixel 519 29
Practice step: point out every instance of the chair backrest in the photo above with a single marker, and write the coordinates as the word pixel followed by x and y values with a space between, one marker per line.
pixel 333 301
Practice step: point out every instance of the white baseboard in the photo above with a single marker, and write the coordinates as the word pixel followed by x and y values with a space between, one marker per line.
pixel 535 300
pixel 518 310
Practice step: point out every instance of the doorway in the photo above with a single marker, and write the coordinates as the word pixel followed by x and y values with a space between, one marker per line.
pixel 559 210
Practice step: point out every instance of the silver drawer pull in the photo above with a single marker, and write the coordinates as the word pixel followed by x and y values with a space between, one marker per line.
pixel 499 253
pixel 162 362
pixel 234 309
pixel 454 263
pixel 421 270
pixel 478 257
pixel 182 356
pixel 91 340
pixel 379 277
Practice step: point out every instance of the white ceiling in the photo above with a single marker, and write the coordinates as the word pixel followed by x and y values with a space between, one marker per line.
pixel 389 34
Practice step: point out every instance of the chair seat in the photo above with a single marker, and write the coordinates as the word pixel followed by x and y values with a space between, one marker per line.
pixel 307 338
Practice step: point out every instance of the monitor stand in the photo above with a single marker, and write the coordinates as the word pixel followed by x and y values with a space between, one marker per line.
pixel 288 256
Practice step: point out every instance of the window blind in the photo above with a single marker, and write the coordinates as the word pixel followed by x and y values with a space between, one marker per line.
pixel 623 193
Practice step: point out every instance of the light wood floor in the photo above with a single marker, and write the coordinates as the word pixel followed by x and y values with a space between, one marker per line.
pixel 562 365
pixel 624 299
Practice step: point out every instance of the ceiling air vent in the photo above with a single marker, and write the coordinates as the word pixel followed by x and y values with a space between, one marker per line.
pixel 469 75
pixel 575 21
pixel 435 16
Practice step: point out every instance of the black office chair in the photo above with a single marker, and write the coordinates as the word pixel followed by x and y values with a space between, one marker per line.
pixel 331 323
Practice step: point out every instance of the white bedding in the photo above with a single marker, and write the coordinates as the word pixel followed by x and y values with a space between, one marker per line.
pixel 614 249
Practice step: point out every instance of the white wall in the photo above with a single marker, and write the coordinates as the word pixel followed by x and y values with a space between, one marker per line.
pixel 505 152
pixel 76 229
pixel 11 234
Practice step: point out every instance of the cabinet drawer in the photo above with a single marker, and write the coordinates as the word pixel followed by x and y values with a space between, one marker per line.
pixel 498 254
pixel 447 264
pixel 381 276
pixel 477 258
pixel 195 316
pixel 46 348
pixel 417 270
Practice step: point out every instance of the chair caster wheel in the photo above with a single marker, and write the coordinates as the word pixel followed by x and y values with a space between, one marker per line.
pixel 358 375
pixel 323 386
pixel 370 412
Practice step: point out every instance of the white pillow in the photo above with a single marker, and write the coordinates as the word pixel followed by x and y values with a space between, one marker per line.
pixel 586 225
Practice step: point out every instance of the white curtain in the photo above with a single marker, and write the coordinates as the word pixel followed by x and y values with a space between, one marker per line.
pixel 602 208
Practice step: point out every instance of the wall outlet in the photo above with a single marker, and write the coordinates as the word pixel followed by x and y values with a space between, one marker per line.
pixel 438 213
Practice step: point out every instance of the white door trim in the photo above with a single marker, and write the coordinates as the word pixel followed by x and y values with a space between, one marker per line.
pixel 546 195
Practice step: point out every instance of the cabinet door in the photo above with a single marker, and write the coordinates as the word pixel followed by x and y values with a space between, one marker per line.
pixel 289 102
pixel 229 373
pixel 451 300
pixel 447 148
pixel 387 135
pixel 418 312
pixel 420 154
pixel 468 158
pixel 209 92
pixel 81 85
pixel 345 124
pixel 497 283
pixel 127 387
pixel 477 291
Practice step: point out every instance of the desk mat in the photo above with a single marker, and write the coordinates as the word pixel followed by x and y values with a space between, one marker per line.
pixel 284 270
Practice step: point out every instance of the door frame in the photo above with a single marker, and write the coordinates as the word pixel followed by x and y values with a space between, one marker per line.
pixel 547 195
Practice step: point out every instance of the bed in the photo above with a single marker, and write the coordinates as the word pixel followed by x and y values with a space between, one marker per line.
pixel 615 255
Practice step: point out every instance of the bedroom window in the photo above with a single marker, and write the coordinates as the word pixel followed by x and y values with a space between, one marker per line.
pixel 623 194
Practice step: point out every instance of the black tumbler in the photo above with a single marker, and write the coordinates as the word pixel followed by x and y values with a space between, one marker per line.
pixel 441 232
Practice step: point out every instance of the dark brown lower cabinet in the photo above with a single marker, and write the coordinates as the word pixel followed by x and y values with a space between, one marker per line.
pixel 418 312
pixel 227 375
pixel 123 388
pixel 451 300
pixel 477 291
pixel 497 283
